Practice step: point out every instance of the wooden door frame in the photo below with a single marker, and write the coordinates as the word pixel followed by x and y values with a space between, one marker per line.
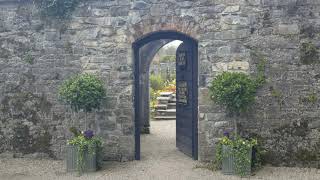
pixel 174 35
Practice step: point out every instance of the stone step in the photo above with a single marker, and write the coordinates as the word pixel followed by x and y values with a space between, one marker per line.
pixel 161 106
pixel 171 106
pixel 163 99
pixel 166 94
pixel 164 113
pixel 167 112
pixel 165 118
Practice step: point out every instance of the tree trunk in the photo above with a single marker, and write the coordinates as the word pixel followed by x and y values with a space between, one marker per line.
pixel 235 121
pixel 98 130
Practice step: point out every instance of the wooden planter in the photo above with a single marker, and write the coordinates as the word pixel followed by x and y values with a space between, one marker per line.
pixel 228 163
pixel 90 160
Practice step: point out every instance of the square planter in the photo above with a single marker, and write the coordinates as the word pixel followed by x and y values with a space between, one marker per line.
pixel 90 160
pixel 228 166
pixel 228 162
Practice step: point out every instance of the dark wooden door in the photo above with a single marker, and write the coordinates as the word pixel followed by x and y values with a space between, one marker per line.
pixel 186 135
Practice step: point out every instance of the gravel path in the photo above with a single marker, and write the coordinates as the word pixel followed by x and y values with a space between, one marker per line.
pixel 160 161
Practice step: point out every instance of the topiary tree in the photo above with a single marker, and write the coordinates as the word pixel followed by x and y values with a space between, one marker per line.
pixel 235 91
pixel 83 92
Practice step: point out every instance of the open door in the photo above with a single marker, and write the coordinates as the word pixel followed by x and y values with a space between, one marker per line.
pixel 187 104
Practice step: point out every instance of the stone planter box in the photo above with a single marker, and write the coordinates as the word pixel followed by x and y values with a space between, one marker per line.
pixel 228 163
pixel 90 160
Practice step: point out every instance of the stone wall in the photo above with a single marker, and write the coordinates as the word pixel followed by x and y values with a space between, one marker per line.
pixel 234 35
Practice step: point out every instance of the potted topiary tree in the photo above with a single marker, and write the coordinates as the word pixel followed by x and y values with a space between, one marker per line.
pixel 83 92
pixel 236 92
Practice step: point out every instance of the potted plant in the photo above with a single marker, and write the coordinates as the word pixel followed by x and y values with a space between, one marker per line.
pixel 236 92
pixel 84 92
pixel 235 155
pixel 83 151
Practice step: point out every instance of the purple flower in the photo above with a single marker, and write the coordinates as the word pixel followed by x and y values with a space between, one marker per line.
pixel 226 134
pixel 88 134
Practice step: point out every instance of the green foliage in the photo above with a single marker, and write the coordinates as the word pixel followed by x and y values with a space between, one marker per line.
pixel 240 149
pixel 168 58
pixel 261 66
pixel 153 98
pixel 75 131
pixel 171 77
pixel 85 145
pixel 278 95
pixel 235 91
pixel 83 92
pixel 312 98
pixel 309 53
pixel 258 160
pixel 261 78
pixel 28 58
pixel 60 9
pixel 169 86
pixel 157 82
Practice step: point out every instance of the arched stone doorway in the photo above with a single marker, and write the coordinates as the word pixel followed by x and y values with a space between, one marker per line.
pixel 187 88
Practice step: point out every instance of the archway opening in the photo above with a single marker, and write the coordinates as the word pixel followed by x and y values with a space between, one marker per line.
pixel 158 132
pixel 186 63
pixel 162 83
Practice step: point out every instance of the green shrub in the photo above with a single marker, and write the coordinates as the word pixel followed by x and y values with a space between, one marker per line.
pixel 157 82
pixel 240 149
pixel 93 145
pixel 154 94
pixel 168 58
pixel 235 91
pixel 83 92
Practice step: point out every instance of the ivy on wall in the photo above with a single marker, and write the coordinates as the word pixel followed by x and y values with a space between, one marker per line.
pixel 309 53
pixel 60 9
pixel 311 98
pixel 260 78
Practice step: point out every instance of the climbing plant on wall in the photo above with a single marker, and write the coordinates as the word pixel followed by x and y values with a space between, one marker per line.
pixel 309 53
pixel 60 9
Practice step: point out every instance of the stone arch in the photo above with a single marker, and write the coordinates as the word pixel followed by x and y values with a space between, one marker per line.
pixel 144 49
pixel 185 25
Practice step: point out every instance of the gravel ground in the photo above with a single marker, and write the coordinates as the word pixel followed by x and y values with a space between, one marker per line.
pixel 160 161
